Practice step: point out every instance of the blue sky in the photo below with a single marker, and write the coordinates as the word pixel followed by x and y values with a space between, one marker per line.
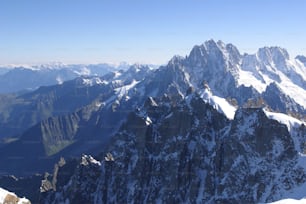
pixel 92 31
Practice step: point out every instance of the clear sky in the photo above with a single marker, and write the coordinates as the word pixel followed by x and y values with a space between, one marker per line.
pixel 92 31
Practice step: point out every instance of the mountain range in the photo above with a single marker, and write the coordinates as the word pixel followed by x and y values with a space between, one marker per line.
pixel 216 126
pixel 24 78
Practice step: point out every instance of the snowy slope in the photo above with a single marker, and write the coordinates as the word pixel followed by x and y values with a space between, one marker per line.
pixel 292 124
pixel 93 81
pixel 225 70
pixel 3 196
pixel 273 64
pixel 193 144
pixel 121 91
pixel 289 121
pixel 177 151
pixel 220 104
pixel 296 92
pixel 290 201
pixel 296 194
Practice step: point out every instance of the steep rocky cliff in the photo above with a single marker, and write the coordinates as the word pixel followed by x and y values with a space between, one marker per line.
pixel 187 152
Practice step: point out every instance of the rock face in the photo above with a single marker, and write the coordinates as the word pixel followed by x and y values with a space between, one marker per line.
pixel 280 101
pixel 18 113
pixel 187 152
pixel 77 116
pixel 166 135
pixel 81 115
pixel 301 58
pixel 262 158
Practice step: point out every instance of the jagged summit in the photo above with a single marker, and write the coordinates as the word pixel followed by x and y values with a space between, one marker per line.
pixel 301 59
pixel 272 54
pixel 224 69
pixel 176 59
pixel 185 151
pixel 215 50
pixel 202 128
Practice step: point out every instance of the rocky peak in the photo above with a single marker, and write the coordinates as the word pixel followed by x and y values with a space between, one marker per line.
pixel 252 124
pixel 198 56
pixel 176 59
pixel 257 149
pixel 270 55
pixel 168 139
pixel 214 62
pixel 279 101
pixel 228 51
pixel 223 56
pixel 273 87
pixel 249 62
pixel 81 186
pixel 89 160
pixel 211 45
pixel 208 51
pixel 190 153
pixel 135 68
pixel 302 59
pixel 233 53
pixel 150 102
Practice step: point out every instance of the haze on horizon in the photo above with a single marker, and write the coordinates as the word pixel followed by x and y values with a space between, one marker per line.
pixel 95 31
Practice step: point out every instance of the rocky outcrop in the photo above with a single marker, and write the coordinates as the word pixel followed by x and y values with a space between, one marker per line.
pixel 160 140
pixel 187 152
pixel 7 197
pixel 259 155
pixel 280 102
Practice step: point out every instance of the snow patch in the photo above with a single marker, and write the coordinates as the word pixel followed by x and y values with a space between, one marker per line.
pixel 117 74
pixel 290 201
pixel 261 69
pixel 220 104
pixel 93 81
pixel 83 72
pixel 248 79
pixel 99 104
pixel 59 80
pixel 4 193
pixel 148 121
pixel 121 91
pixel 292 124
pixel 289 121
pixel 87 159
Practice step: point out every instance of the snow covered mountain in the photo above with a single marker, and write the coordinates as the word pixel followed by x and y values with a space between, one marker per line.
pixel 188 152
pixel 27 78
pixel 230 74
pixel 213 127
pixel 65 120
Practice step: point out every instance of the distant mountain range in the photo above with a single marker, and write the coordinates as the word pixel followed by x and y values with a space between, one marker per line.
pixel 215 126
pixel 28 78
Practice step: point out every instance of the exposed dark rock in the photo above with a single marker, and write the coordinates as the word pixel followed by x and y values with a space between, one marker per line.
pixel 188 152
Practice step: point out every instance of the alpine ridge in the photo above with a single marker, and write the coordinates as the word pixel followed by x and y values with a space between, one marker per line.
pixel 215 126
pixel 187 152
pixel 24 78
